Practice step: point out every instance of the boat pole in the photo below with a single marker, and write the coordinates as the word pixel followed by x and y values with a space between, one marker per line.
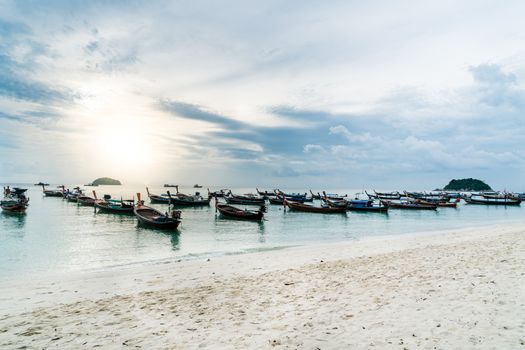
pixel 94 206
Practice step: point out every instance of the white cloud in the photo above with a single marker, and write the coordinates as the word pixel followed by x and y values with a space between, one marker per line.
pixel 313 148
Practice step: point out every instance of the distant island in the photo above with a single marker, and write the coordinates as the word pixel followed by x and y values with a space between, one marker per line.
pixel 106 181
pixel 469 184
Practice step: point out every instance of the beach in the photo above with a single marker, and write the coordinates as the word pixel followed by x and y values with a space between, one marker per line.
pixel 458 289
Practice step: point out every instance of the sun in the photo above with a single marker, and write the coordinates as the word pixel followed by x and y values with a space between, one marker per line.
pixel 123 144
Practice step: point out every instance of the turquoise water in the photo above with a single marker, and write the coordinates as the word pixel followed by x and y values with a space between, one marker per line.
pixel 57 236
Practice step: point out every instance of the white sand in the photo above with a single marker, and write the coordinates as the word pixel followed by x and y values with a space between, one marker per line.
pixel 455 290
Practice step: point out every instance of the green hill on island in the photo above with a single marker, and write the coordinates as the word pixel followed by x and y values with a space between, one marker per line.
pixel 105 181
pixel 469 184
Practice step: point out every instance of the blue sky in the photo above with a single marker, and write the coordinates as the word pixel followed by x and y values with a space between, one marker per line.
pixel 277 93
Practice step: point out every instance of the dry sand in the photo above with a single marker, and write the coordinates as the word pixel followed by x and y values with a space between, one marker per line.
pixel 451 290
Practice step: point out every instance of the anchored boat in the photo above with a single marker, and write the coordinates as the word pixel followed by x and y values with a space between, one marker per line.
pixel 15 200
pixel 122 206
pixel 152 217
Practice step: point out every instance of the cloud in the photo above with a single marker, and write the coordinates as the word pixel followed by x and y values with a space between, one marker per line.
pixel 363 138
pixel 492 74
pixel 194 112
pixel 286 171
pixel 18 87
pixel 18 61
pixel 309 148
pixel 109 56
pixel 497 88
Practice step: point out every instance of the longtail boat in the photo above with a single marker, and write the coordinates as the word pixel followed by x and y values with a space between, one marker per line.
pixel 72 196
pixel 15 200
pixel 231 212
pixel 295 197
pixel 265 193
pixel 441 204
pixel 384 195
pixel 308 208
pixel 498 195
pixel 428 198
pixel 114 206
pixel 85 200
pixel 453 195
pixel 247 199
pixel 366 206
pixel 155 198
pixel 279 199
pixel 493 201
pixel 151 217
pixel 409 205
pixel 53 193
pixel 357 205
pixel 334 203
pixel 335 196
pixel 315 196
pixel 181 199
pixel 219 193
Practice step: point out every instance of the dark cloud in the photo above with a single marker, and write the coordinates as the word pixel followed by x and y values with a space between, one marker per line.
pixel 194 112
pixel 15 74
pixel 281 140
pixel 17 87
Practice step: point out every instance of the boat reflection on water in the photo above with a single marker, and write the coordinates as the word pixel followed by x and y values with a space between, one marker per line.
pixel 262 236
pixel 144 234
pixel 174 239
pixel 12 220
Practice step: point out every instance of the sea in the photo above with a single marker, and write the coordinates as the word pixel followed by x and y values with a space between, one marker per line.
pixel 55 236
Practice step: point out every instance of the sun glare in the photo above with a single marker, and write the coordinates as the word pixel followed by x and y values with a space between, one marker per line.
pixel 122 145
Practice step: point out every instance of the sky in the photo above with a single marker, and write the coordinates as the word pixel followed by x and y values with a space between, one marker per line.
pixel 322 94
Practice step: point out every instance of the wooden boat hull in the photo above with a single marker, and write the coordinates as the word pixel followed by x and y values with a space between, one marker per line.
pixel 387 196
pixel 311 209
pixel 265 193
pixel 280 200
pixel 231 212
pixel 447 205
pixel 50 193
pixel 189 202
pixel 159 199
pixel 155 198
pixel 439 204
pixel 409 206
pixel 295 197
pixel 372 209
pixel 160 221
pixel 15 208
pixel 87 201
pixel 245 201
pixel 103 206
pixel 493 202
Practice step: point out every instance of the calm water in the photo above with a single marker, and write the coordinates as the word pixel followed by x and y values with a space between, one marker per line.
pixel 57 236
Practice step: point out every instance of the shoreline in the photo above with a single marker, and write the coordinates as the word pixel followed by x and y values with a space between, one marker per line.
pixel 329 265
pixel 10 280
pixel 373 245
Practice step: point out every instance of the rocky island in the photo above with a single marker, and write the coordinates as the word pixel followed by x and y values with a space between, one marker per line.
pixel 106 181
pixel 469 184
